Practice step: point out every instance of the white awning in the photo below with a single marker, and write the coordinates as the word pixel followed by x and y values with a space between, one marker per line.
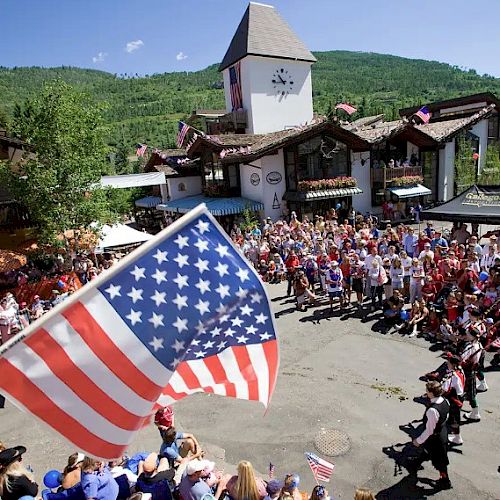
pixel 410 191
pixel 133 180
pixel 120 235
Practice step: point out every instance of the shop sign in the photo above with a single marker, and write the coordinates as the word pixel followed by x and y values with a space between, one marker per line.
pixel 273 177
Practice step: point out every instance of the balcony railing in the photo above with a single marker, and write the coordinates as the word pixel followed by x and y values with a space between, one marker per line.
pixel 387 175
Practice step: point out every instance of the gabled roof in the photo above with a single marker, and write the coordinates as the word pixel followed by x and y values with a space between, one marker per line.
pixel 263 32
pixel 365 121
pixel 380 131
pixel 445 130
pixel 487 97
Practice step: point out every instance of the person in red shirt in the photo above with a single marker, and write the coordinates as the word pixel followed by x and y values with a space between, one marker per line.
pixel 429 289
pixel 291 263
pixel 345 267
pixel 437 278
pixel 422 240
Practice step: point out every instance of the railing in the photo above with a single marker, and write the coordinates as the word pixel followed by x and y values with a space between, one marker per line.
pixel 387 174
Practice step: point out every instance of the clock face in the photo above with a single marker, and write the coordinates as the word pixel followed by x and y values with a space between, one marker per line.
pixel 282 82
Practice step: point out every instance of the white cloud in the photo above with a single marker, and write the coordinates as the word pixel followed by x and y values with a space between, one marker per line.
pixel 181 56
pixel 99 58
pixel 134 45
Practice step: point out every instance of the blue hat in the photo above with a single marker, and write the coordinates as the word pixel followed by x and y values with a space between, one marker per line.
pixel 274 486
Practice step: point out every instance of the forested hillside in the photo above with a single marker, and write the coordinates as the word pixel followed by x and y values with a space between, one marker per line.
pixel 146 109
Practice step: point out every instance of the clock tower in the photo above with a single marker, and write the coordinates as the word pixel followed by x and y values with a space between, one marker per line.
pixel 267 72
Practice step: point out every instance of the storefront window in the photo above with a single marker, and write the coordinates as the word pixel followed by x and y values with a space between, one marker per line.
pixel 318 158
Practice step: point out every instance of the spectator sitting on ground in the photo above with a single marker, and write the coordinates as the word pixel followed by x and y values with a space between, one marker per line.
pixel 192 486
pixel 15 480
pixel 117 469
pixel 179 447
pixel 72 472
pixel 246 485
pixel 273 489
pixel 152 471
pixel 97 481
pixel 319 492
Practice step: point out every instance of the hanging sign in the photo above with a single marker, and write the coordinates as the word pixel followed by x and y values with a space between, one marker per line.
pixel 255 179
pixel 273 177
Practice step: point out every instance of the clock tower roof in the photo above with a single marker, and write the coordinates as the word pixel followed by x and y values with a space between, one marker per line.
pixel 263 32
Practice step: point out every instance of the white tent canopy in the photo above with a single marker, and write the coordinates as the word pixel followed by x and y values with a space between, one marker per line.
pixel 133 180
pixel 120 235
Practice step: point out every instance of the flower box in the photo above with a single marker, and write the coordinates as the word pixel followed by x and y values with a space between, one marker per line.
pixel 407 180
pixel 324 184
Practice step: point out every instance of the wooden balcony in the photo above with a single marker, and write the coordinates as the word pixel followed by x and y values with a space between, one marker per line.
pixel 386 175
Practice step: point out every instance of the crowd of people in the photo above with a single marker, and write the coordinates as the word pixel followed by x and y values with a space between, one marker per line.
pixel 68 277
pixel 178 470
pixel 441 285
pixel 444 286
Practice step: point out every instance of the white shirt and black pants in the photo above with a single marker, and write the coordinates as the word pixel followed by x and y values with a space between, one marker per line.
pixel 434 438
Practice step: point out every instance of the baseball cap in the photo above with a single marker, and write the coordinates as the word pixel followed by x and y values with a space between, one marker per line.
pixel 194 466
pixel 274 486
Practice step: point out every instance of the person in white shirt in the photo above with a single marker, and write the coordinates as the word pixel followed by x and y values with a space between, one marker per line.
pixel 434 438
pixel 396 274
pixel 368 267
pixel 492 243
pixel 426 252
pixel 406 263
pixel 454 388
pixel 488 259
pixel 417 275
pixel 334 282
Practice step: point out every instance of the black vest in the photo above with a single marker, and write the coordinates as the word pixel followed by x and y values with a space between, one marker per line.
pixel 443 409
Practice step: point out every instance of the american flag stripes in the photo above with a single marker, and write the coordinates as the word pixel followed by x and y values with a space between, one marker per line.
pixel 184 313
pixel 346 107
pixel 181 134
pixel 235 86
pixel 141 149
pixel 272 470
pixel 423 114
pixel 321 469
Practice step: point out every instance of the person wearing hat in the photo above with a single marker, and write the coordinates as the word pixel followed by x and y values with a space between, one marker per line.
pixel 72 473
pixel 192 485
pixel 15 480
pixel 36 309
pixel 334 282
pixel 273 488
pixel 453 390
pixel 434 437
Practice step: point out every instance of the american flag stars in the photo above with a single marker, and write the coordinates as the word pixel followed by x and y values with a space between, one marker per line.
pixel 194 283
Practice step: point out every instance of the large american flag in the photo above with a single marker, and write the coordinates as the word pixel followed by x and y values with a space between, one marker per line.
pixel 424 114
pixel 184 313
pixel 321 469
pixel 346 107
pixel 235 86
pixel 181 134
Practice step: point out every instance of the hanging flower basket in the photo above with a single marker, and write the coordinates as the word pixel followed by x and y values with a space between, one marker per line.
pixel 324 184
pixel 408 180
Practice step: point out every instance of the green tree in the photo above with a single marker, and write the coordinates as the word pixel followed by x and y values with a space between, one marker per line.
pixel 58 179
pixel 465 165
pixel 491 171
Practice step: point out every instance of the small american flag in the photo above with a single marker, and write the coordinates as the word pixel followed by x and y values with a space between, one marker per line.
pixel 183 313
pixel 321 469
pixel 181 134
pixel 272 470
pixel 235 86
pixel 423 114
pixel 141 149
pixel 346 107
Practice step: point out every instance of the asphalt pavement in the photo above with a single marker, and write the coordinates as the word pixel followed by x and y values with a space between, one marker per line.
pixel 341 377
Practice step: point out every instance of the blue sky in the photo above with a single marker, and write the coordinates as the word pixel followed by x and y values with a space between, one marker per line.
pixel 153 36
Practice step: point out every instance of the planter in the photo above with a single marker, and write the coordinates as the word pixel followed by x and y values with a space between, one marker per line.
pixel 324 184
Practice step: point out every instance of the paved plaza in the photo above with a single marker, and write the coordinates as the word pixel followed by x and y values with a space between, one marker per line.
pixel 337 373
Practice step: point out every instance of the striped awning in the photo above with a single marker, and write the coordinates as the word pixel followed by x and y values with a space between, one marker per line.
pixel 216 206
pixel 148 202
pixel 321 195
pixel 410 191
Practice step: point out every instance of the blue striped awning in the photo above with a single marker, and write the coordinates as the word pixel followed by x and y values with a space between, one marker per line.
pixel 148 202
pixel 216 206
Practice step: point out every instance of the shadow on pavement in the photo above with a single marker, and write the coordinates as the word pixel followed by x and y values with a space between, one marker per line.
pixel 406 456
